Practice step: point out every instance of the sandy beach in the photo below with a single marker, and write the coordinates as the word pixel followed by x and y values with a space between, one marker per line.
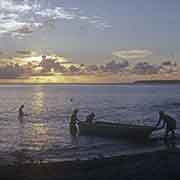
pixel 162 164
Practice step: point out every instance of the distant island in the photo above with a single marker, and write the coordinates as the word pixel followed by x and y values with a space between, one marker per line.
pixel 157 82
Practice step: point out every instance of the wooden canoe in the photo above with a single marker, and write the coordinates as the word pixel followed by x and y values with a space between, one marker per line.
pixel 115 130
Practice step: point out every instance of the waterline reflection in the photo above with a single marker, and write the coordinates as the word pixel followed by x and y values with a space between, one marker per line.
pixel 38 102
pixel 36 135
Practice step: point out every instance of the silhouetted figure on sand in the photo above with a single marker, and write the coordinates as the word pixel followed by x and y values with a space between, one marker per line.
pixel 90 117
pixel 73 122
pixel 170 126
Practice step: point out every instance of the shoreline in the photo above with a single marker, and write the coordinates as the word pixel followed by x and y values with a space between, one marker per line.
pixel 162 164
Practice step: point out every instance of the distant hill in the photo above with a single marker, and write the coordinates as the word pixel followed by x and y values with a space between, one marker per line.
pixel 157 82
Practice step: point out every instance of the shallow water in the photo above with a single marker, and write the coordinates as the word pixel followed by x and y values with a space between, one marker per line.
pixel 44 134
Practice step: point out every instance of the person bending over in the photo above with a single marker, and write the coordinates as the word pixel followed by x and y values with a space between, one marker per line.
pixel 169 122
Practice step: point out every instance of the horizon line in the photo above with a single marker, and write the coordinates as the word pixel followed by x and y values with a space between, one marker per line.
pixel 118 83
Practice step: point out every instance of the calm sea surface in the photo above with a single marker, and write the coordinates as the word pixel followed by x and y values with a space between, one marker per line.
pixel 44 134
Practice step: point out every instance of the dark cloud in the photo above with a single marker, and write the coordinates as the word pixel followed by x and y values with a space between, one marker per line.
pixel 114 66
pixel 56 64
pixel 110 67
pixel 74 70
pixel 60 69
pixel 169 63
pixel 23 53
pixel 145 68
pixel 168 67
pixel 11 71
pixel 49 64
pixel 67 62
pixel 92 68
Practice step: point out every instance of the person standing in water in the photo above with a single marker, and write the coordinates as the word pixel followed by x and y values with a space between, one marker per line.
pixel 73 122
pixel 21 113
pixel 170 125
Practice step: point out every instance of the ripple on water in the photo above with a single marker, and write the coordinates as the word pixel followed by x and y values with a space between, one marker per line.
pixel 44 134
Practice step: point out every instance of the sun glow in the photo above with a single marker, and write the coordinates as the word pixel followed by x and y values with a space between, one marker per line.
pixel 25 60
pixel 48 79
pixel 36 58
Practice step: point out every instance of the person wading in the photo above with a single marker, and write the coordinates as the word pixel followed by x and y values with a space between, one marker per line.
pixel 73 122
pixel 21 113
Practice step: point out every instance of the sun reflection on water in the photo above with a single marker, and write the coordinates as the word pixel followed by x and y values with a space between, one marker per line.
pixel 38 101
pixel 37 136
pixel 34 134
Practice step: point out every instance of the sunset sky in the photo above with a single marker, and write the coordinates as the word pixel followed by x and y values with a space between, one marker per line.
pixel 95 41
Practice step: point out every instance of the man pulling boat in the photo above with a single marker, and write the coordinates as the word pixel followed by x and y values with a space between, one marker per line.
pixel 121 130
pixel 170 125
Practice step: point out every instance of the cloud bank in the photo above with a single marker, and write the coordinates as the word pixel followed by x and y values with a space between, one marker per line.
pixel 20 18
pixel 30 65
pixel 25 65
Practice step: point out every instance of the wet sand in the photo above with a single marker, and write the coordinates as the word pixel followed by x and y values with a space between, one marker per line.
pixel 161 164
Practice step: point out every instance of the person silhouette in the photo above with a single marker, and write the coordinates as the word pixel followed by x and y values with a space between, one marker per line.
pixel 73 122
pixel 90 117
pixel 21 113
pixel 170 124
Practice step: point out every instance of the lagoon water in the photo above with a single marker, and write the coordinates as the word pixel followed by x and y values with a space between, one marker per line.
pixel 44 134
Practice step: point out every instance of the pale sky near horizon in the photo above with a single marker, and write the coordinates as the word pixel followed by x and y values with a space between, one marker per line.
pixel 94 32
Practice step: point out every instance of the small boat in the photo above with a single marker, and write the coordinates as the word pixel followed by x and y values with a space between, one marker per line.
pixel 108 129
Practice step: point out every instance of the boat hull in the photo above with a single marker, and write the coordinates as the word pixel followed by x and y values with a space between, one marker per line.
pixel 115 130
